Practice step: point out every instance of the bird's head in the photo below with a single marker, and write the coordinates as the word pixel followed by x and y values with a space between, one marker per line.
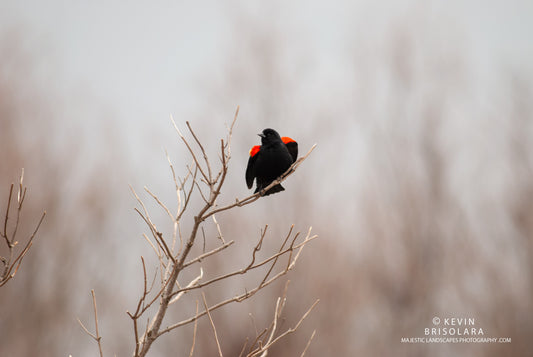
pixel 269 136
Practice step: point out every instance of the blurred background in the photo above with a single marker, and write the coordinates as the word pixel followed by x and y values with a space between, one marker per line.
pixel 420 189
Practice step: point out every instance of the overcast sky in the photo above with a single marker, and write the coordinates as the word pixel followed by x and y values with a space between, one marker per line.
pixel 144 58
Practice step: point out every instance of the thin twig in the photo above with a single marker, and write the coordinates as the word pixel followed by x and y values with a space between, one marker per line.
pixel 280 304
pixel 192 283
pixel 189 193
pixel 252 265
pixel 4 234
pixel 206 159
pixel 277 313
pixel 12 263
pixel 212 325
pixel 308 343
pixel 189 148
pixel 96 336
pixel 211 252
pixel 153 229
pixel 243 347
pixel 288 331
pixel 157 252
pixel 230 132
pixel 194 332
pixel 237 298
pixel 220 235
pixel 157 235
pixel 160 203
pixel 18 259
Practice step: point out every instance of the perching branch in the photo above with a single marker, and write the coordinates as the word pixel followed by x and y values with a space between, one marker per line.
pixel 252 198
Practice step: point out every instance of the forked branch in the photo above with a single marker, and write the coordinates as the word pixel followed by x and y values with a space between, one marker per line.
pixel 265 340
pixel 13 259
pixel 95 336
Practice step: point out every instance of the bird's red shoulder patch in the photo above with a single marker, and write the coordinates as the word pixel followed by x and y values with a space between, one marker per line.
pixel 254 150
pixel 287 140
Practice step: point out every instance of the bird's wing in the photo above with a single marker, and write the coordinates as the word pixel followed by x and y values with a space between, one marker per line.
pixel 292 146
pixel 250 167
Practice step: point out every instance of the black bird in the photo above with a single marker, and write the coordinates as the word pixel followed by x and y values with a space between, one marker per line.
pixel 270 160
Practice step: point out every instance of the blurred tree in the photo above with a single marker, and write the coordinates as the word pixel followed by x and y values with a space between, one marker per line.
pixel 41 303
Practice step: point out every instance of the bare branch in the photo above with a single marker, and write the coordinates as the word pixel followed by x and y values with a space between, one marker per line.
pixel 96 336
pixel 211 252
pixel 220 235
pixel 157 235
pixel 4 234
pixel 277 313
pixel 156 251
pixel 12 262
pixel 308 343
pixel 254 265
pixel 177 186
pixel 206 200
pixel 243 347
pixel 194 332
pixel 85 329
pixel 18 259
pixel 264 350
pixel 230 132
pixel 206 159
pixel 190 150
pixel 160 203
pixel 191 284
pixel 237 298
pixel 189 193
pixel 212 325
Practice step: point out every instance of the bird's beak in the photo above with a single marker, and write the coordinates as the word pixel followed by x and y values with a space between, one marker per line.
pixel 261 135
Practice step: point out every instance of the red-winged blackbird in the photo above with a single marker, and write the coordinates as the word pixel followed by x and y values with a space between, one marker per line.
pixel 270 160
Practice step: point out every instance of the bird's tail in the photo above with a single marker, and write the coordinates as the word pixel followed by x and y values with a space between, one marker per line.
pixel 274 189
